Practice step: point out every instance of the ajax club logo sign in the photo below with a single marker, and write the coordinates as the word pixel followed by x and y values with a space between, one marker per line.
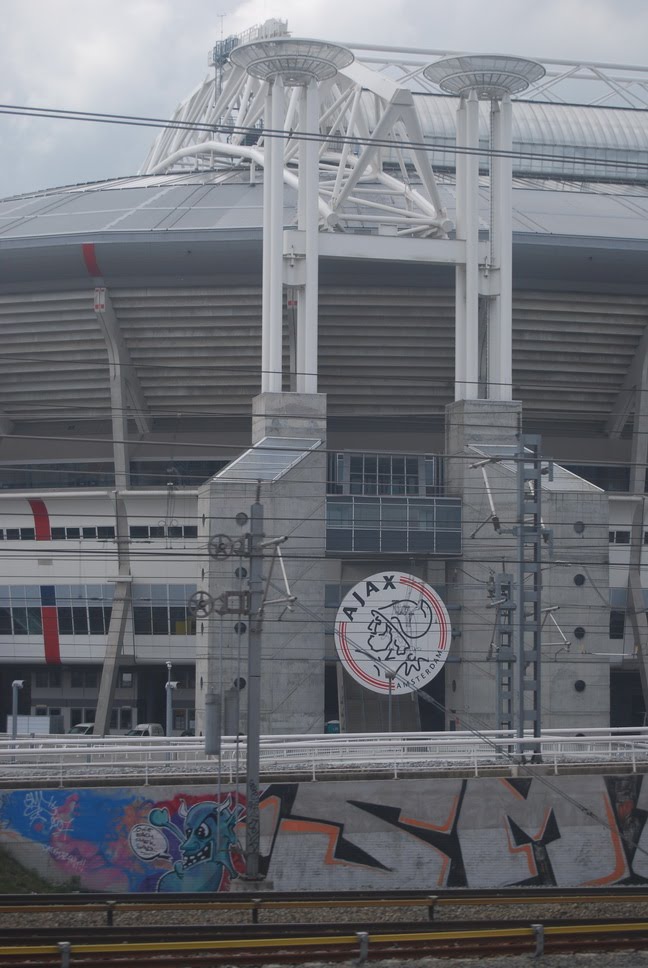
pixel 392 625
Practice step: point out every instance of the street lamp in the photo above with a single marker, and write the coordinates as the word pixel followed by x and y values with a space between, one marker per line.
pixel 15 686
pixel 170 686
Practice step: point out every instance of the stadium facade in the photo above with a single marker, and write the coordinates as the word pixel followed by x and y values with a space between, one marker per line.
pixel 152 392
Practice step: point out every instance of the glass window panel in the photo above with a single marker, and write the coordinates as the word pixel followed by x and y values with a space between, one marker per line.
pixel 2 534
pixel 96 619
pixel 139 531
pixel 54 676
pixel 141 593
pixel 32 594
pixel 58 534
pixel 89 532
pixel 72 533
pixel 339 515
pixel 76 679
pixel 40 679
pixel 160 620
pixel 178 594
pixel 20 621
pixel 174 531
pixel 113 718
pixel 125 717
pixel 89 714
pixel 421 517
pixel 125 680
pixel 159 593
pixel 48 595
pixel 62 594
pixel 107 592
pixel 366 515
pixel 104 533
pixel 77 594
pixel 339 539
pixel 393 541
pixel 157 531
pixel 27 534
pixel 5 621
pixel 80 620
pixel 90 678
pixel 64 620
pixel 179 719
pixel 366 540
pixel 13 534
pixel 34 621
pixel 142 620
pixel 5 596
pixel 94 593
pixel 191 625
pixel 421 541
pixel 394 515
pixel 107 610
pixel 190 531
pixel 617 624
pixel 178 617
pixel 76 716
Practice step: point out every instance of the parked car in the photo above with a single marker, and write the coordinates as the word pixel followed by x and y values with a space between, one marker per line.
pixel 146 729
pixel 81 729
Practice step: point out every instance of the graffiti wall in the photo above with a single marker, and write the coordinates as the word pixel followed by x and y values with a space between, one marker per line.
pixel 352 835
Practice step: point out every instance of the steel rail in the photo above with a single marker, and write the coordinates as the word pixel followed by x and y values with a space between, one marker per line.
pixel 457 939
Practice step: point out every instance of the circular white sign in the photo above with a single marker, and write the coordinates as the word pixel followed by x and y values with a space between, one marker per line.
pixel 392 626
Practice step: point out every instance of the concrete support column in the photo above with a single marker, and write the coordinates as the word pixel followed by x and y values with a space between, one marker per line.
pixel 500 333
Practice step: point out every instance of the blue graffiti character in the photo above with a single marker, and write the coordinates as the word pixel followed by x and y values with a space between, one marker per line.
pixel 206 845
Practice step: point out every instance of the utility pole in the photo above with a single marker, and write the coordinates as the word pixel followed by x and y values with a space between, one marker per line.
pixel 251 603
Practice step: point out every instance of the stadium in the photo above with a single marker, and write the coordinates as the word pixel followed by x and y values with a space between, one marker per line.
pixel 349 291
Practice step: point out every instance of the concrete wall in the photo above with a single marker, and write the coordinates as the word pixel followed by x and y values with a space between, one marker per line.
pixel 357 834
pixel 584 657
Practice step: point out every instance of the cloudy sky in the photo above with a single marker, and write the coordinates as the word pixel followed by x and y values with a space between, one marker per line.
pixel 143 56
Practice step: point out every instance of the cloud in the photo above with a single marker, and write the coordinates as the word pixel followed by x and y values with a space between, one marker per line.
pixel 144 56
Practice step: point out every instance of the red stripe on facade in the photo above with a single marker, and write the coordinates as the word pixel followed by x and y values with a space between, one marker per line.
pixel 41 520
pixel 51 634
pixel 90 259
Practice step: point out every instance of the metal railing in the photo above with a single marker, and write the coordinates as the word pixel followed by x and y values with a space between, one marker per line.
pixel 64 760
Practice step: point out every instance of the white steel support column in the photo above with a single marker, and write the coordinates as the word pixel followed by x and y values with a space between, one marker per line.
pixel 265 296
pixel 460 272
pixel 307 332
pixel 500 334
pixel 275 240
pixel 470 389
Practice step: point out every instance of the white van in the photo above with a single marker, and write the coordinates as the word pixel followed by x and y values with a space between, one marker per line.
pixel 146 729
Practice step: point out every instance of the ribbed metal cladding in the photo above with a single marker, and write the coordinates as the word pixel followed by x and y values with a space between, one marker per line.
pixel 196 350
pixel 571 352
pixel 55 364
pixel 383 350
pixel 386 350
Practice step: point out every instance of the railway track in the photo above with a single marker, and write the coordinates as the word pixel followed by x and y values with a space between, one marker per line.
pixel 111 944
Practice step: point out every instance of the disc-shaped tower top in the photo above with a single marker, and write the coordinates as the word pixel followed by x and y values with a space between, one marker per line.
pixel 296 60
pixel 488 75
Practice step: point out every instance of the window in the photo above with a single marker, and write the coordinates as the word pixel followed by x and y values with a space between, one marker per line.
pixel 190 531
pixel 104 533
pixel 126 679
pixel 113 719
pixel 139 531
pixel 13 534
pixel 72 534
pixel 125 717
pixel 620 537
pixel 58 534
pixel 89 532
pixel 27 534
pixel 156 531
pixel 617 624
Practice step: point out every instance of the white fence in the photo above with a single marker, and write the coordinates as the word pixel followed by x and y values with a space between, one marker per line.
pixel 64 759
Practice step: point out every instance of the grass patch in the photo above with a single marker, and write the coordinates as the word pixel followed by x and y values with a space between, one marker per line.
pixel 16 879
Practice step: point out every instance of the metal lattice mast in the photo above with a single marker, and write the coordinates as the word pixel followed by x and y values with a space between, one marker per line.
pixel 528 589
pixel 504 637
